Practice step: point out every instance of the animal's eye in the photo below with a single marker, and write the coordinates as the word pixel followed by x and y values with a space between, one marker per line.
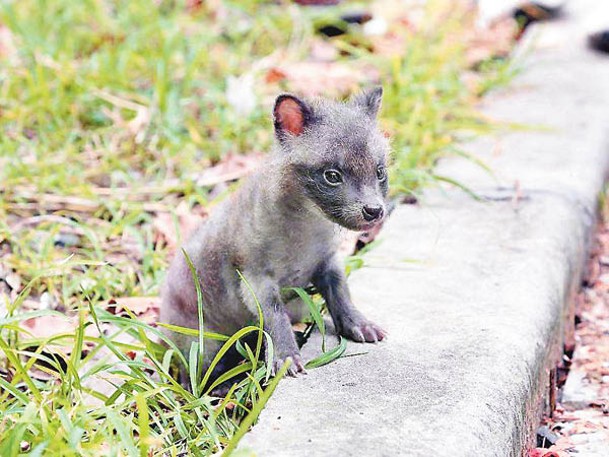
pixel 333 177
pixel 381 173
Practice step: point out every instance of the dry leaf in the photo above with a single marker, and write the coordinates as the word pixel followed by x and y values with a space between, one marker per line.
pixel 551 452
pixel 14 281
pixel 46 326
pixel 497 40
pixel 274 75
pixel 139 305
pixel 193 6
pixel 146 308
pixel 329 78
pixel 230 168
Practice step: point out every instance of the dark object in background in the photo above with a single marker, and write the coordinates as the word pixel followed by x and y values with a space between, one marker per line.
pixel 545 437
pixel 341 26
pixel 599 41
pixel 532 12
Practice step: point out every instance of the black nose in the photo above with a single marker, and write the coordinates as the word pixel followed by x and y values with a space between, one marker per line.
pixel 372 213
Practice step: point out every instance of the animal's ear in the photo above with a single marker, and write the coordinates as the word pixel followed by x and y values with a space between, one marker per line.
pixel 370 100
pixel 291 115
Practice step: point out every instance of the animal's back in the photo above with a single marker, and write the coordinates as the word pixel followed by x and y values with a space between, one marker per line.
pixel 212 254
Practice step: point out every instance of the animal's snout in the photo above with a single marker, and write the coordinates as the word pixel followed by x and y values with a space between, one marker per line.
pixel 372 212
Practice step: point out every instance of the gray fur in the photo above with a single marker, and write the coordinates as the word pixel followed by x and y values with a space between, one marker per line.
pixel 281 229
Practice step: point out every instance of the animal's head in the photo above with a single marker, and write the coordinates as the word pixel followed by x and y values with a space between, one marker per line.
pixel 338 155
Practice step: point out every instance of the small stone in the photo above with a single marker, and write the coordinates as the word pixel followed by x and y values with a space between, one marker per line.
pixel 88 283
pixel 375 27
pixel 591 444
pixel 546 437
pixel 604 278
pixel 66 240
pixel 47 301
pixel 240 94
pixel 577 393
pixel 24 446
pixel 14 281
pixel 4 301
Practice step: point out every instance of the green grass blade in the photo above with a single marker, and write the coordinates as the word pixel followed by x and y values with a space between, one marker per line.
pixel 225 347
pixel 329 356
pixel 260 319
pixel 256 410
pixel 201 339
pixel 143 421
pixel 235 371
pixel 193 332
pixel 315 314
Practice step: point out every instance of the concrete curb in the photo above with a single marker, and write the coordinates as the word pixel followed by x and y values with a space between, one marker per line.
pixel 475 296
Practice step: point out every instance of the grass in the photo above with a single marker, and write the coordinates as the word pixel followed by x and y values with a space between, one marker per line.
pixel 109 114
pixel 147 411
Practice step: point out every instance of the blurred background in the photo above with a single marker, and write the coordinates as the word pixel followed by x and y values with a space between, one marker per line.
pixel 121 123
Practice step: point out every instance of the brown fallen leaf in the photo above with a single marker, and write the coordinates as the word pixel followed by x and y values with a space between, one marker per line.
pixel 193 6
pixel 497 40
pixel 46 326
pixel 145 308
pixel 329 78
pixel 539 452
pixel 14 281
pixel 274 75
pixel 230 168
pixel 139 305
pixel 557 453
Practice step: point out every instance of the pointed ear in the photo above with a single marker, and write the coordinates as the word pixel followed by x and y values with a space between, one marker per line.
pixel 370 101
pixel 291 115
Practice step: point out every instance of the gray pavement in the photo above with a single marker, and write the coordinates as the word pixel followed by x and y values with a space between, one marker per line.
pixel 474 295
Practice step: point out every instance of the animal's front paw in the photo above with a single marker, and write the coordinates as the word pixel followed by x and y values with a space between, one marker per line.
pixel 362 330
pixel 297 365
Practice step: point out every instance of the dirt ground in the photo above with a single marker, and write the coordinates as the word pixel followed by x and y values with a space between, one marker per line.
pixel 580 423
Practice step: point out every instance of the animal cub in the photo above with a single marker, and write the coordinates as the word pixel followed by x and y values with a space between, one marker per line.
pixel 281 228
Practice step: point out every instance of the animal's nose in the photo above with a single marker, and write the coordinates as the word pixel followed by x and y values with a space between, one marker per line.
pixel 372 213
